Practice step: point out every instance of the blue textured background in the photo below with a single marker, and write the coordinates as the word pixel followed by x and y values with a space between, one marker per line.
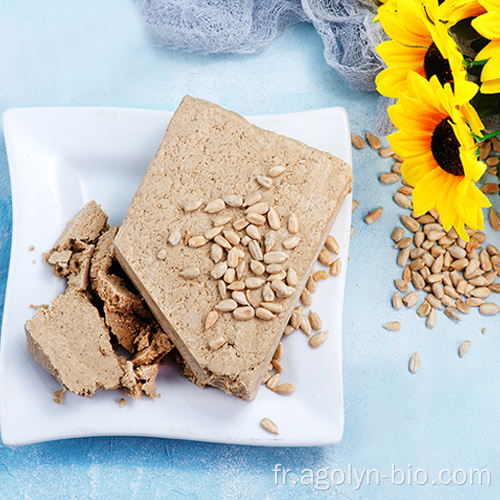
pixel 87 53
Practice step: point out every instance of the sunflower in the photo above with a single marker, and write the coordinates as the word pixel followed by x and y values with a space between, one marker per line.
pixel 420 43
pixel 453 11
pixel 439 153
pixel 488 26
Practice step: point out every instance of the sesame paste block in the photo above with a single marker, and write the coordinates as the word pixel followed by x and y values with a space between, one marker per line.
pixel 209 155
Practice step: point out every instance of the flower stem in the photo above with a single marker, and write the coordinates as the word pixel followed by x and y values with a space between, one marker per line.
pixel 488 136
pixel 471 64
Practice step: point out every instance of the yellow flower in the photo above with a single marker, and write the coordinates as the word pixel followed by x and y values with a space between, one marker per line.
pixel 453 11
pixel 439 153
pixel 418 44
pixel 488 25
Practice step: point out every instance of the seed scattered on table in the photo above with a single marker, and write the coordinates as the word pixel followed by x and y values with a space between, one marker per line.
pixel 268 425
pixel 415 363
pixel 392 325
pixel 374 215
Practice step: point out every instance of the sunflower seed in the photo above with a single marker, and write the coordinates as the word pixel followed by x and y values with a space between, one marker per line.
pixel 424 309
pixel 430 321
pixel 293 224
pixel 397 302
pixel 410 299
pixel 291 277
pixel 403 256
pixel 275 257
pixel 282 291
pixel 269 426
pixel 396 167
pixel 255 250
pixel 296 318
pixel 373 140
pixel 315 320
pixel 274 269
pixel 389 178
pixel 464 347
pixel 284 389
pixel 481 292
pixel 264 314
pixel 410 223
pixel 495 287
pixel 415 363
pixel 240 224
pixel 392 325
pixel 489 308
pixel 331 244
pixel 291 243
pixel 353 229
pixel 325 257
pixel 374 215
pixel 218 270
pixel 221 241
pixel 267 293
pixel 256 219
pixel 215 206
pixel 175 237
pixel 244 313
pixel 336 267
pixel 192 205
pixel 233 200
pixel 401 285
pixel 273 307
pixel 306 297
pixel 278 354
pixel 257 267
pixel 494 219
pixel 260 208
pixel 318 339
pixel 190 273
pixel 452 313
pixel 462 306
pixel 236 285
pixel 403 201
pixel 273 381
pixel 197 241
pixel 226 305
pixel 252 199
pixel 252 283
pixel 273 219
pixel 211 319
pixel 264 181
pixel 312 284
pixel 357 141
pixel 216 342
pixel 269 240
pixel 397 234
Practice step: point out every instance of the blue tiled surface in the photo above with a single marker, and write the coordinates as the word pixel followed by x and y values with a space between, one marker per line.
pixel 445 418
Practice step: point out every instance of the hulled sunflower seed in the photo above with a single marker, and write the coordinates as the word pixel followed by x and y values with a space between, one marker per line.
pixel 175 237
pixel 312 284
pixel 282 291
pixel 410 299
pixel 240 224
pixel 264 181
pixel 252 199
pixel 197 241
pixel 190 273
pixel 291 277
pixel 397 302
pixel 256 219
pixel 218 270
pixel 401 285
pixel 325 257
pixel 275 257
pixel 192 205
pixel 273 219
pixel 244 313
pixel 216 342
pixel 306 297
pixel 415 363
pixel 233 257
pixel 374 215
pixel 452 313
pixel 296 317
pixel 403 257
pixel 373 140
pixel 212 233
pixel 389 178
pixel 227 305
pixel 489 308
pixel 410 223
pixel 494 219
pixel 221 220
pixel 273 307
pixel 293 224
pixel 240 298
pixel 268 425
pixel 392 325
pixel 424 309
pixel 320 275
pixel 430 321
pixel 255 250
pixel 357 141
pixel 464 347
pixel 236 286
pixel 269 240
pixel 318 339
pixel 221 241
pixel 336 267
pixel 260 208
pixel 331 244
pixel 257 267
pixel 315 320
pixel 403 201
pixel 267 293
pixel 253 232
pixel 273 381
pixel 284 389
pixel 215 206
pixel 233 200
pixel 252 283
pixel 211 319
pixel 291 243
pixel 397 234
pixel 264 314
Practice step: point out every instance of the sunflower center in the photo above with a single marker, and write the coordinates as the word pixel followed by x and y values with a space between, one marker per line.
pixel 446 148
pixel 436 64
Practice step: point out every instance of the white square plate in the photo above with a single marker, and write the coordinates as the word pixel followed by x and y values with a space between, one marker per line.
pixel 61 158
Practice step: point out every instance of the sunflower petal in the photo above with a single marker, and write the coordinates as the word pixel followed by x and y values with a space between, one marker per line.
pixel 397 31
pixel 487 25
